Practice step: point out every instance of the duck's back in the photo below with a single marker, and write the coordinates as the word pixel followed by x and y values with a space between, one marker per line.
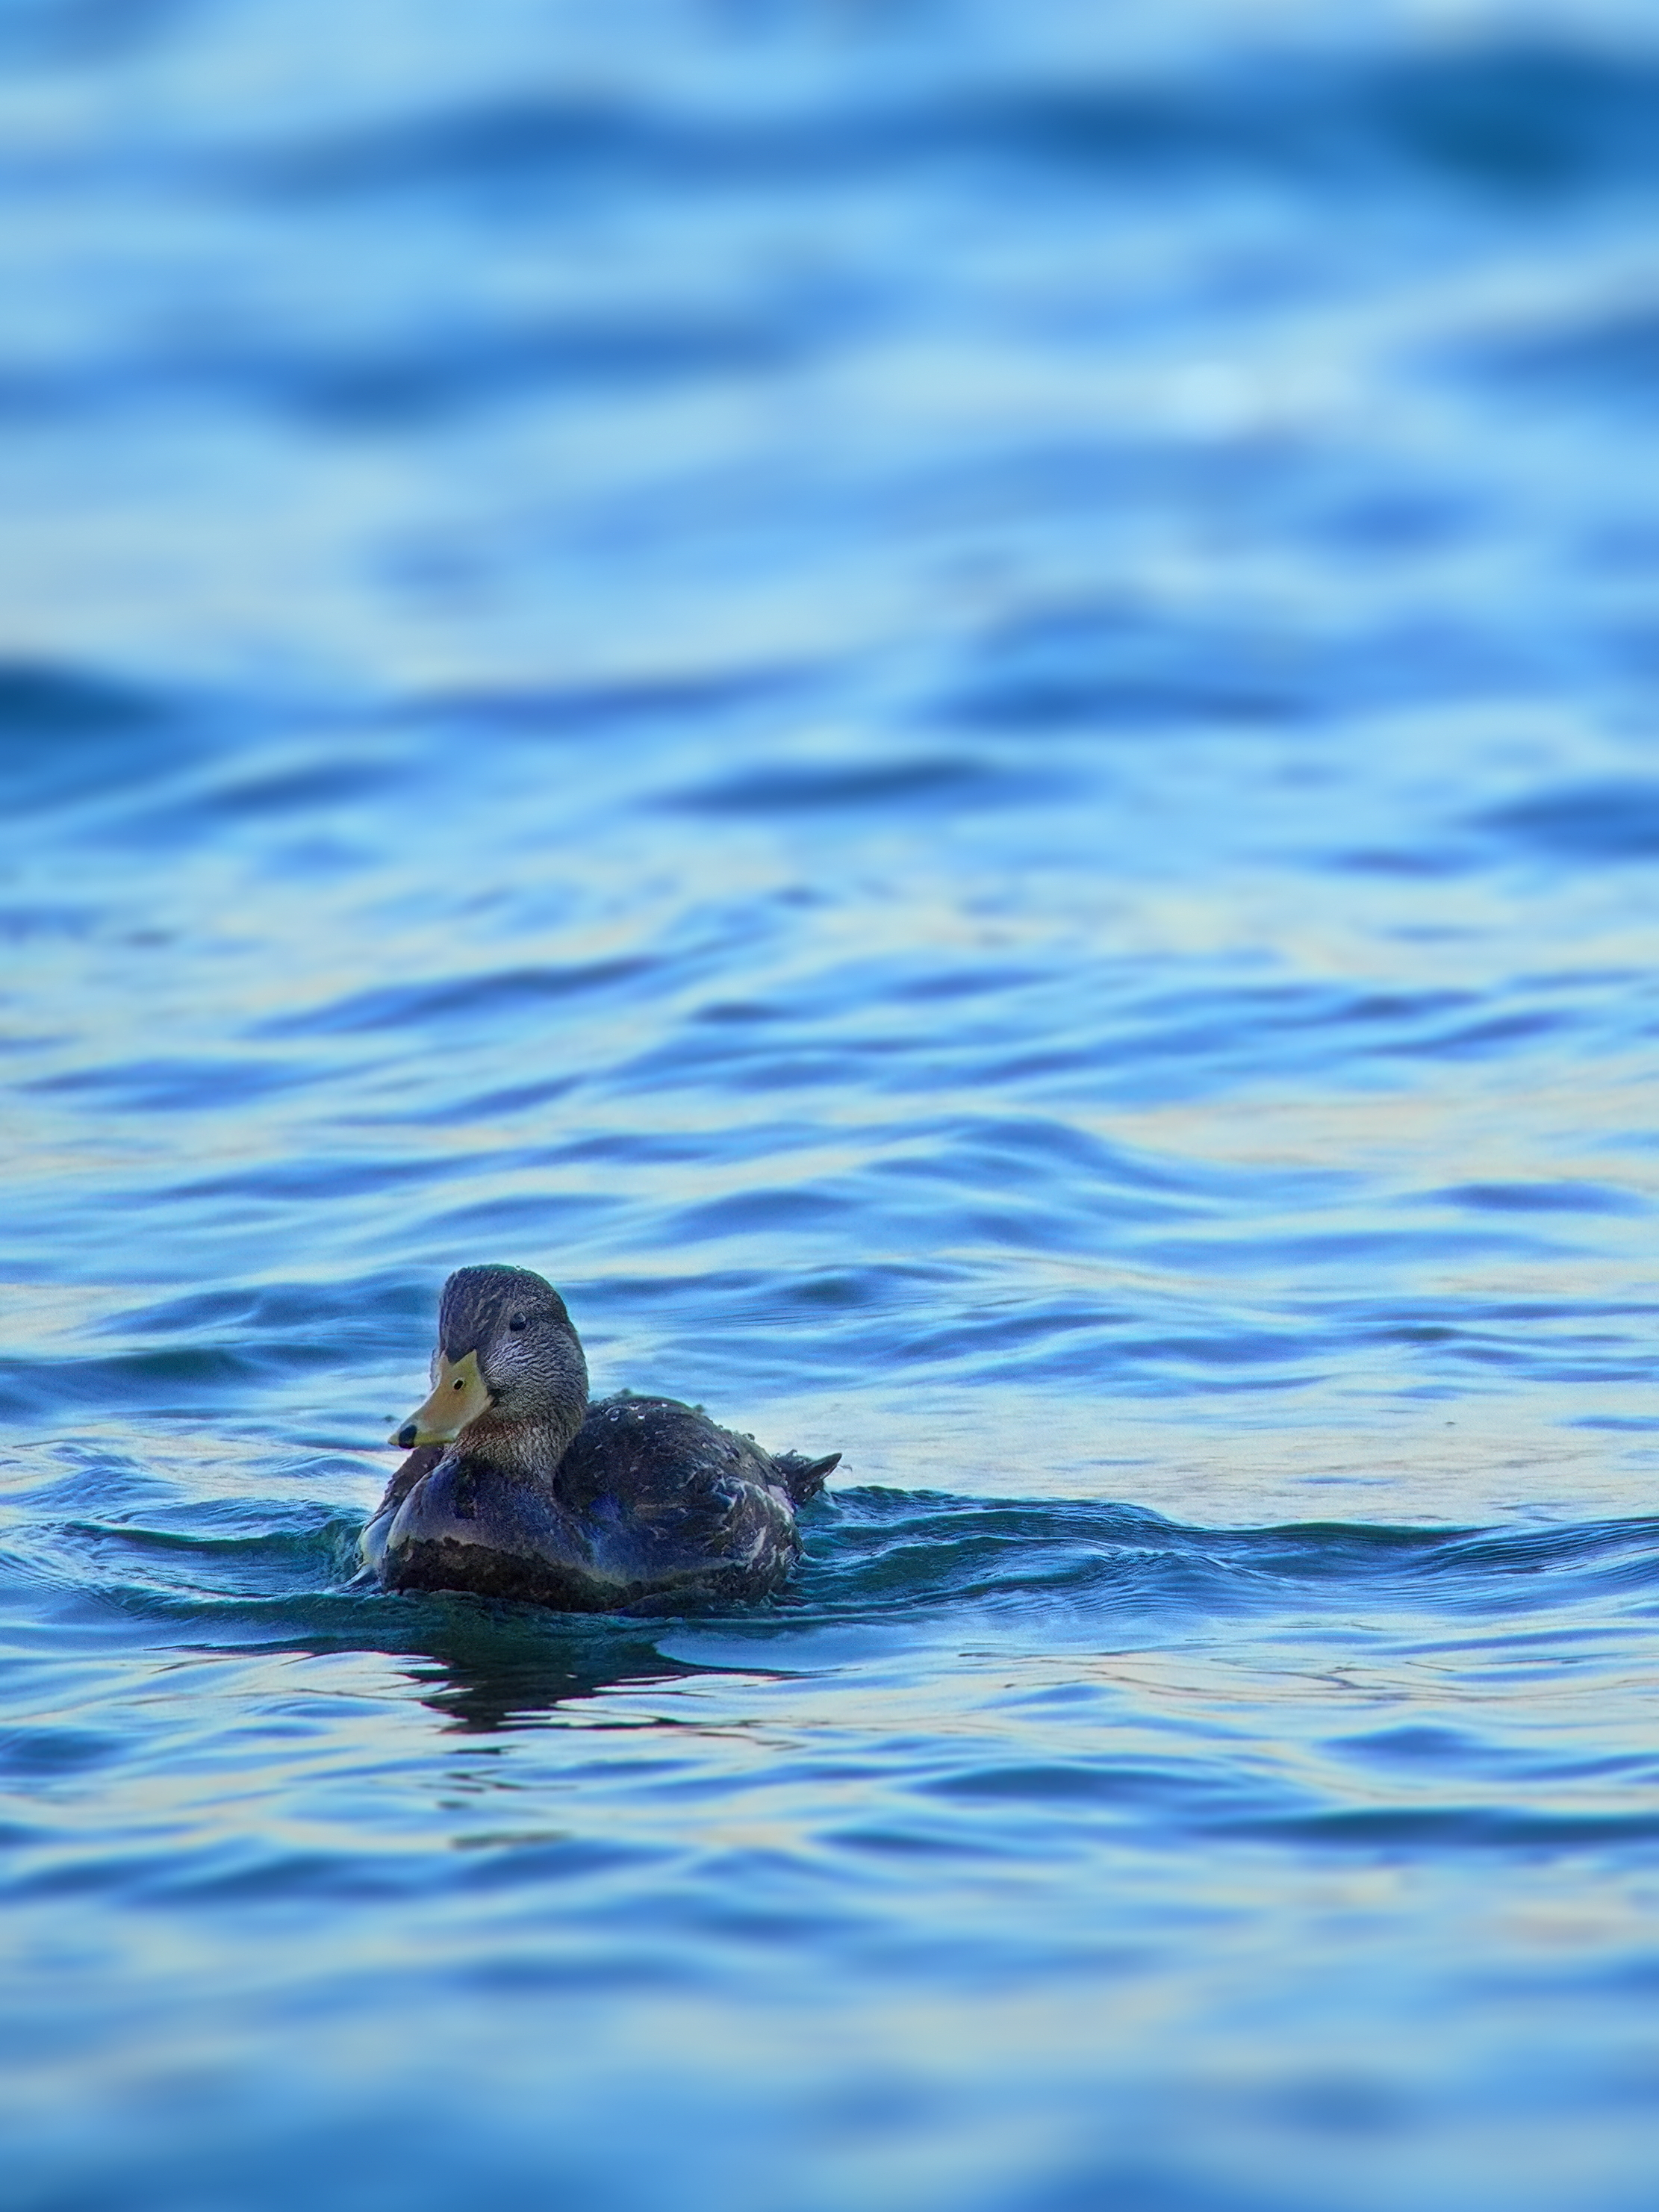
pixel 665 1498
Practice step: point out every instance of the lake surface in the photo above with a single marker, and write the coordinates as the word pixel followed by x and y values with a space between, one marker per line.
pixel 957 707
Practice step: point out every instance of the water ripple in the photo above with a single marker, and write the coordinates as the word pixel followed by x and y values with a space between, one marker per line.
pixel 954 708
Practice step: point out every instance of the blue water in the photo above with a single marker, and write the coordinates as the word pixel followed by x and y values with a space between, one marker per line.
pixel 958 706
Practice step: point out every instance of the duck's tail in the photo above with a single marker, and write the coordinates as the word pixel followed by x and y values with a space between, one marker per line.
pixel 804 1478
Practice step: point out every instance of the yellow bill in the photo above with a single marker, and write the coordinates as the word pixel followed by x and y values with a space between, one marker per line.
pixel 458 1396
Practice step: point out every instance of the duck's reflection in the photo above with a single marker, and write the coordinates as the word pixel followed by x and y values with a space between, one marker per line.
pixel 491 1673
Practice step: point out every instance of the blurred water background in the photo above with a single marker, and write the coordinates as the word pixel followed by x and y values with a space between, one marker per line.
pixel 955 704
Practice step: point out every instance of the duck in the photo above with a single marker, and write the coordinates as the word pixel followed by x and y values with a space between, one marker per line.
pixel 517 1487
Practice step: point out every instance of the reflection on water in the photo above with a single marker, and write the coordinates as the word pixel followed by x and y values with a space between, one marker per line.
pixel 955 706
pixel 482 1680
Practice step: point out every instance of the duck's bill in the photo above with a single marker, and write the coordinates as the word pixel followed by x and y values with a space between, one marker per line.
pixel 459 1396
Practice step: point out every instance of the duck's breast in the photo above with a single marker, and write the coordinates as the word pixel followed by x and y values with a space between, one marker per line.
pixel 471 1527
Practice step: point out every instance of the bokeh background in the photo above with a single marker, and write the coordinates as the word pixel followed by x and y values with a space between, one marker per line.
pixel 955 704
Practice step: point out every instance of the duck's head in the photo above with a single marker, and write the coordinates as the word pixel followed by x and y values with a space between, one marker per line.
pixel 507 1359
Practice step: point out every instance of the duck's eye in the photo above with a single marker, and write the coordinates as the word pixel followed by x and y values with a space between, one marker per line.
pixel 460 1382
pixel 516 1321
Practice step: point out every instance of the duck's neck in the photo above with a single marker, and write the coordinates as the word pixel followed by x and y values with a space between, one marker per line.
pixel 529 1449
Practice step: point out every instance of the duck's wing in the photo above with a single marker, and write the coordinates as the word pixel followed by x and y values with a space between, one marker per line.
pixel 668 1497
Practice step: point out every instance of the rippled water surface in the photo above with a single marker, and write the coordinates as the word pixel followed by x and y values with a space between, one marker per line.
pixel 956 705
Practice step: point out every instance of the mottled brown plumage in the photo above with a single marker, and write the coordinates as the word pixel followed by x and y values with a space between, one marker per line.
pixel 517 1487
